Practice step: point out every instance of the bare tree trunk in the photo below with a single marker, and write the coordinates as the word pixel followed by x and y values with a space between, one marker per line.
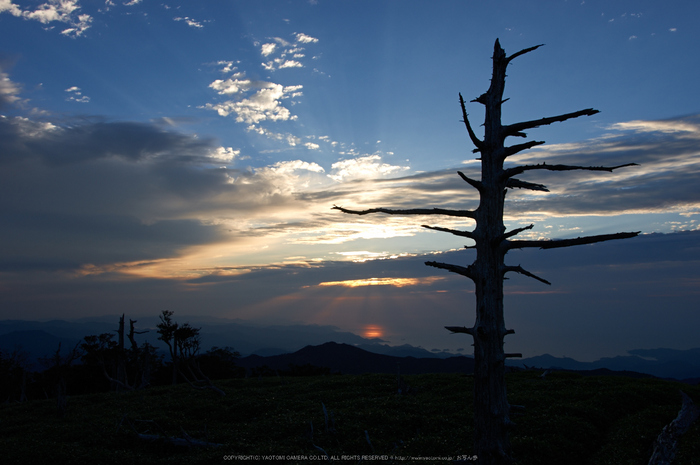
pixel 490 400
pixel 491 409
pixel 666 443
pixel 121 367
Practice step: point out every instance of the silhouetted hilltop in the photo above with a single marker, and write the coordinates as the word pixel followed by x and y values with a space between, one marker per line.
pixel 348 359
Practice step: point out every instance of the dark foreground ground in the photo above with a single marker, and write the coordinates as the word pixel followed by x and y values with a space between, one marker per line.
pixel 567 419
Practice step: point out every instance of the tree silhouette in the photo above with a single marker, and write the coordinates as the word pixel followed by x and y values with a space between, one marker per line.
pixel 125 369
pixel 491 408
pixel 183 343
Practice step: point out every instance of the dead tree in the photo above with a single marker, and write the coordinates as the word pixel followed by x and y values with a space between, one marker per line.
pixel 119 364
pixel 491 408
pixel 183 344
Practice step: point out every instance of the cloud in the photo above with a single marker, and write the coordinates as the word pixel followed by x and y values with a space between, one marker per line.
pixel 665 183
pixel 255 101
pixel 190 22
pixel 396 282
pixel 290 177
pixel 236 85
pixel 8 6
pixel 106 196
pixel 63 11
pixel 289 138
pixel 637 293
pixel 105 214
pixel 366 167
pixel 140 178
pixel 267 49
pixel 9 91
pixel 669 126
pixel 56 144
pixel 290 64
pixel 228 66
pixel 302 38
pixel 225 154
pixel 668 154
pixel 76 95
pixel 288 53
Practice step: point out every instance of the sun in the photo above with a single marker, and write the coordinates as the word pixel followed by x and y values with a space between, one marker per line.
pixel 372 331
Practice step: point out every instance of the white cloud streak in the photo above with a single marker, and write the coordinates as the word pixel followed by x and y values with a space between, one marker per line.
pixel 190 22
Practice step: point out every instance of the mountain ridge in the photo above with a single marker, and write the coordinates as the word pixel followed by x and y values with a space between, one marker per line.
pixel 40 339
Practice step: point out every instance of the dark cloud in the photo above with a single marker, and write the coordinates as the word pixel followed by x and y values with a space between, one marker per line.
pixel 669 165
pixel 91 192
pixel 50 241
pixel 82 141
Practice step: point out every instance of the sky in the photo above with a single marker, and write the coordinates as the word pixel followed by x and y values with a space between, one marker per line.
pixel 187 156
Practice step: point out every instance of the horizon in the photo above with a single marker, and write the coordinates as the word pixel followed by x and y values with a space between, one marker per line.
pixel 187 156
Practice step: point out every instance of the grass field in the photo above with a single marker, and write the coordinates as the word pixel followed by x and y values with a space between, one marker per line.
pixel 567 419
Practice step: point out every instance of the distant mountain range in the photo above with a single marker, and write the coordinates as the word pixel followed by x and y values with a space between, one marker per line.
pixel 41 338
pixel 279 346
pixel 662 363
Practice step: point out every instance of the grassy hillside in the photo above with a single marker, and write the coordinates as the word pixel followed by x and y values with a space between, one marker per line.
pixel 568 419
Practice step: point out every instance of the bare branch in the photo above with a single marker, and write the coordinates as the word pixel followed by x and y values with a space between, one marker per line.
pixel 460 329
pixel 544 166
pixel 523 52
pixel 515 129
pixel 475 140
pixel 464 271
pixel 472 182
pixel 512 150
pixel 522 271
pixel 482 99
pixel 518 184
pixel 413 211
pixel 518 134
pixel 113 380
pixel 554 244
pixel 456 232
pixel 514 232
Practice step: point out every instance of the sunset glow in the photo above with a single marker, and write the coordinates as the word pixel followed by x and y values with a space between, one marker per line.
pixel 373 331
pixel 396 282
